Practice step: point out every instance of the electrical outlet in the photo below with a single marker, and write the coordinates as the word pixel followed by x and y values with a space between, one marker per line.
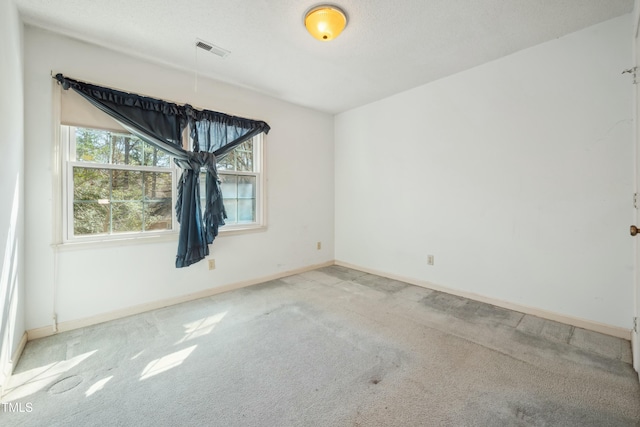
pixel 212 264
pixel 430 259
pixel 319 245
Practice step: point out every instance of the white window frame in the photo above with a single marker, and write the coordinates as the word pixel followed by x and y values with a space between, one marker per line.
pixel 259 165
pixel 66 148
pixel 67 137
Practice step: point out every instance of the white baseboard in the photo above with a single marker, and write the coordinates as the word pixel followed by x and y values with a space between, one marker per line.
pixel 615 331
pixel 130 311
pixel 634 352
pixel 75 324
pixel 16 354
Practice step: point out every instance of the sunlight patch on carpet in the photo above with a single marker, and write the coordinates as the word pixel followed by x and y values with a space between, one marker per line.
pixel 201 327
pixel 166 363
pixel 28 382
pixel 97 386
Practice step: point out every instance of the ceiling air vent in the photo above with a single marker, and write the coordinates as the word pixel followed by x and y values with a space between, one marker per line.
pixel 210 47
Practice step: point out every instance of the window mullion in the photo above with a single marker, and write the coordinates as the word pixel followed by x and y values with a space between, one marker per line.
pixel 120 167
pixel 144 189
pixel 110 202
pixel 238 173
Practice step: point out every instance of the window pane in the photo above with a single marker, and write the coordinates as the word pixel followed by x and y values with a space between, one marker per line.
pixel 246 187
pixel 155 157
pixel 244 157
pixel 230 205
pixel 127 150
pixel 246 210
pixel 110 201
pixel 240 159
pixel 101 146
pixel 229 186
pixel 91 184
pixel 239 193
pixel 158 215
pixel 127 185
pixel 203 185
pixel 228 162
pixel 93 145
pixel 126 216
pixel 90 218
pixel 157 185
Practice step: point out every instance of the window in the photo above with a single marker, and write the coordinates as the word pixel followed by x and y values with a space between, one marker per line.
pixel 240 181
pixel 116 186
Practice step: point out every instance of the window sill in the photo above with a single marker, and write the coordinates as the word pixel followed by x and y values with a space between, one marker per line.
pixel 241 229
pixel 158 238
pixel 117 241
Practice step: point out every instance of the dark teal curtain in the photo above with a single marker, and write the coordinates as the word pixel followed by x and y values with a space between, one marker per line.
pixel 161 124
pixel 157 122
pixel 218 134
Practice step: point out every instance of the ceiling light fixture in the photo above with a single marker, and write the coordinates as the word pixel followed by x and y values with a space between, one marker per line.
pixel 325 22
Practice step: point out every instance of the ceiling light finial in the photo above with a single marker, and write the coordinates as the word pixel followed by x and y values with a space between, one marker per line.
pixel 325 22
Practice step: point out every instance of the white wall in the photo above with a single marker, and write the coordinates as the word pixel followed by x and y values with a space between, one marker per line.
pixel 517 175
pixel 92 281
pixel 12 324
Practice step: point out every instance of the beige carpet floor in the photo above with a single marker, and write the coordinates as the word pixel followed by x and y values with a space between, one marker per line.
pixel 330 347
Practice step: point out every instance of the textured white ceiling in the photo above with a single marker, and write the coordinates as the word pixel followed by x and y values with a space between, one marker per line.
pixel 387 47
